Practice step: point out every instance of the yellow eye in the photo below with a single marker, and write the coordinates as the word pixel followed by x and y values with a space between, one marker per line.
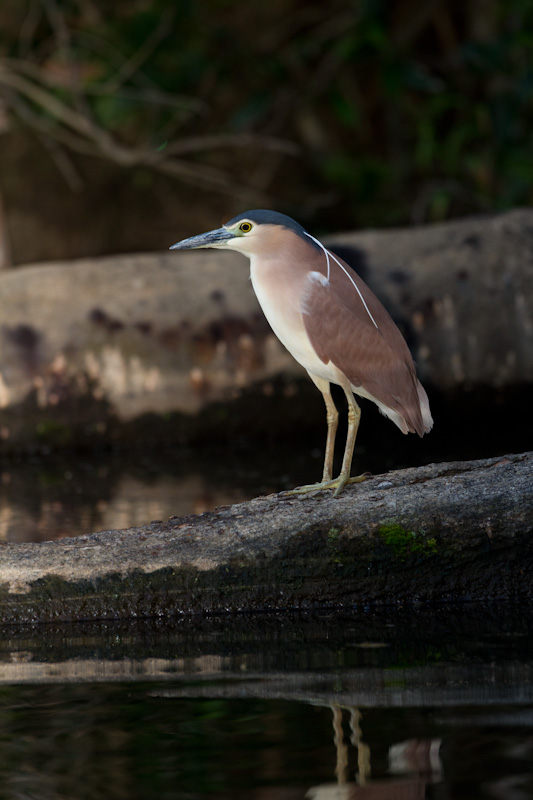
pixel 245 227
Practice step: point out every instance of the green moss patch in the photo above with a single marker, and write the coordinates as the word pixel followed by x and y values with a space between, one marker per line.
pixel 404 543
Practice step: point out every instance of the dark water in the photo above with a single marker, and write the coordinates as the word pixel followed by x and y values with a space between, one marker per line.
pixel 47 495
pixel 51 495
pixel 118 741
pixel 417 703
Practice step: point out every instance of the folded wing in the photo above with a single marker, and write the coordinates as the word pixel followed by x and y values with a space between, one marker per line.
pixel 349 327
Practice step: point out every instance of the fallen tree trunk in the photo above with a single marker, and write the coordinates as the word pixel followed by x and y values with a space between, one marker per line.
pixel 92 346
pixel 449 531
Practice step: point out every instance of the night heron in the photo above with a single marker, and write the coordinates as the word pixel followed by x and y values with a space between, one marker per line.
pixel 330 321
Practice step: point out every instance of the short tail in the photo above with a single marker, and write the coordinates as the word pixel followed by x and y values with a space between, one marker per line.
pixel 427 419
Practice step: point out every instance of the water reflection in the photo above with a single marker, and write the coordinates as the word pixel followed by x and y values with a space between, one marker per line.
pixel 133 502
pixel 51 495
pixel 48 497
pixel 413 765
pixel 272 707
pixel 124 741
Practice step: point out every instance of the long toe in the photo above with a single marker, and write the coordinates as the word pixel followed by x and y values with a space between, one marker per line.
pixel 337 484
pixel 311 487
pixel 343 481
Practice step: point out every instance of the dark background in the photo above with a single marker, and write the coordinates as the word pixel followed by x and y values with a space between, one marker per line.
pixel 127 125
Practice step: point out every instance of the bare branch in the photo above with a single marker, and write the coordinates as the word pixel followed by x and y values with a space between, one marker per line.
pixel 82 135
pixel 63 113
pixel 142 95
pixel 29 91
pixel 196 144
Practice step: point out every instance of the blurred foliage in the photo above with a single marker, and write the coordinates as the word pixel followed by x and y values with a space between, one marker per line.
pixel 362 113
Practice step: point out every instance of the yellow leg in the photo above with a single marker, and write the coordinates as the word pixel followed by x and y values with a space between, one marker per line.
pixel 354 416
pixel 332 417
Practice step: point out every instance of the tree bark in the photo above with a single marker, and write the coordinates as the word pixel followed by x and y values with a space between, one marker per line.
pixel 450 531
pixel 461 291
pixel 91 345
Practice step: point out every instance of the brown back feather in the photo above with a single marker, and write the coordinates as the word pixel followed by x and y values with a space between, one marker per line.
pixel 341 331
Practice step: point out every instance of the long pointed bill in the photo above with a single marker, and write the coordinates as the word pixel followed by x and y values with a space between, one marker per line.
pixel 216 238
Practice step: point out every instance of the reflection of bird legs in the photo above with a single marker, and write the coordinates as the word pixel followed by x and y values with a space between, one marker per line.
pixel 341 767
pixel 356 738
pixel 363 750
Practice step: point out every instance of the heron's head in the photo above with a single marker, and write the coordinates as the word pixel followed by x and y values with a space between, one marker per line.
pixel 254 233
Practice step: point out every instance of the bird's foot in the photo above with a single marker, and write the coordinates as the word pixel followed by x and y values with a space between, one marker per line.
pixel 337 483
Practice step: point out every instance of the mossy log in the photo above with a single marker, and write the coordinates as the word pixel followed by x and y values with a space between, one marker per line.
pixel 450 531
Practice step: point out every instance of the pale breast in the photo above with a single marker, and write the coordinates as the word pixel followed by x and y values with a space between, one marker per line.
pixel 280 290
